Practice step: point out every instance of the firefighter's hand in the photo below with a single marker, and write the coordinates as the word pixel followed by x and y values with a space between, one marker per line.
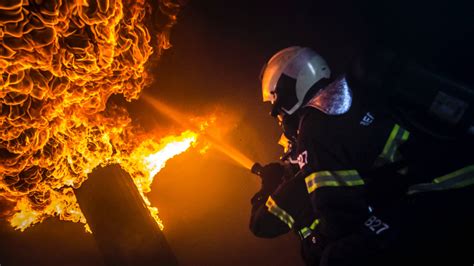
pixel 272 176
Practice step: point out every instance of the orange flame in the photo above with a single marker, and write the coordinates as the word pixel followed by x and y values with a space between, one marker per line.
pixel 150 157
pixel 60 61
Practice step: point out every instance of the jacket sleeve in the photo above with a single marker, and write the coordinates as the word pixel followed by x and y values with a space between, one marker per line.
pixel 280 211
pixel 263 223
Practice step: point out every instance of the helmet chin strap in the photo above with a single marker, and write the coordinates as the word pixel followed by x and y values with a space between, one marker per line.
pixel 289 125
pixel 288 122
pixel 276 110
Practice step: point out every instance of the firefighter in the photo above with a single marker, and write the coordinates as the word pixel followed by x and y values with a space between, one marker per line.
pixel 368 187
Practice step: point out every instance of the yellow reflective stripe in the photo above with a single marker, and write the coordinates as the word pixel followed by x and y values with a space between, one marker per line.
pixel 274 209
pixel 454 174
pixel 314 224
pixel 405 135
pixel 332 179
pixel 306 231
pixel 397 137
pixel 390 140
pixel 458 179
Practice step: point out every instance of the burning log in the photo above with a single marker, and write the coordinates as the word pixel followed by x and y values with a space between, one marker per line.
pixel 122 226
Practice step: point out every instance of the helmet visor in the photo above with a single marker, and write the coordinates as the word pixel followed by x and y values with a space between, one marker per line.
pixel 273 70
pixel 285 94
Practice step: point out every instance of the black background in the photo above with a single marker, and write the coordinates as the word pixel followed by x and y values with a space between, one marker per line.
pixel 218 50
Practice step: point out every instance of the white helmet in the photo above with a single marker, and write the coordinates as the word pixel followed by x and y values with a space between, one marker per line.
pixel 290 74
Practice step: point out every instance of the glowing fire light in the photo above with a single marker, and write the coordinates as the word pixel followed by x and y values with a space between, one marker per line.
pixel 150 157
pixel 60 62
pixel 220 145
pixel 156 161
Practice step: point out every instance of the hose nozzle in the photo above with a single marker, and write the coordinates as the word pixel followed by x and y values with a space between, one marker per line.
pixel 257 169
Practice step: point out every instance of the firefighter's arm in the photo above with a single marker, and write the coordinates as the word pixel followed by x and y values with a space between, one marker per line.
pixel 277 213
pixel 262 222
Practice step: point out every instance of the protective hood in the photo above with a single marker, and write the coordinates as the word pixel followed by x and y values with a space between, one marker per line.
pixel 335 99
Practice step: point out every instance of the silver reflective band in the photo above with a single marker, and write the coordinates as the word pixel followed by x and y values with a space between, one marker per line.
pixel 333 179
pixel 335 99
pixel 274 209
pixel 461 178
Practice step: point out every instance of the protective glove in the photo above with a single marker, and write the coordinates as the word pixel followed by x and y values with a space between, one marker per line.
pixel 272 176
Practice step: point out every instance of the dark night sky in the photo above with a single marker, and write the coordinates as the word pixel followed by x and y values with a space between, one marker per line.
pixel 218 50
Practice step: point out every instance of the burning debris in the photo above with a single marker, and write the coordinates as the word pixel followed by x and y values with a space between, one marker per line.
pixel 60 63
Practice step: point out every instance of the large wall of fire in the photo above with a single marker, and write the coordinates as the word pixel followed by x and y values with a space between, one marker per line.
pixel 60 61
